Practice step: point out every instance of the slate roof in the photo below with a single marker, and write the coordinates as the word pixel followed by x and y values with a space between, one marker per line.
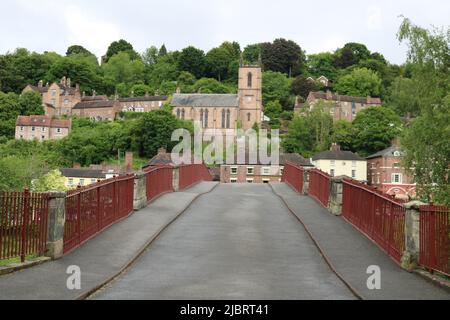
pixel 94 98
pixel 149 98
pixel 95 104
pixel 337 155
pixel 388 152
pixel 39 89
pixel 338 97
pixel 83 173
pixel 42 121
pixel 205 100
pixel 294 158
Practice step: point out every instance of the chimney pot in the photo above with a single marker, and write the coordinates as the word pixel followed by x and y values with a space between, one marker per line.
pixel 68 82
pixel 335 147
pixel 40 84
pixel 76 165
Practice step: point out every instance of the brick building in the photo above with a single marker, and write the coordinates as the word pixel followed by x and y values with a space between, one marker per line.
pixel 41 128
pixel 385 171
pixel 142 104
pixel 99 110
pixel 221 113
pixel 341 107
pixel 259 173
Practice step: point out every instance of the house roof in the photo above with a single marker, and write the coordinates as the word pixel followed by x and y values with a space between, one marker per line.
pixel 149 98
pixel 337 155
pixel 388 152
pixel 42 121
pixel 294 158
pixel 95 104
pixel 338 97
pixel 83 173
pixel 205 100
pixel 94 98
pixel 39 89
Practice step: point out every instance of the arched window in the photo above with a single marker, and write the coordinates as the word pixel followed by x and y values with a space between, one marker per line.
pixel 228 119
pixel 206 118
pixel 249 117
pixel 183 114
pixel 223 119
pixel 178 113
pixel 202 118
pixel 249 79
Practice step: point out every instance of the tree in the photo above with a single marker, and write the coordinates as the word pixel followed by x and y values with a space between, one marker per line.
pixel 121 46
pixel 374 129
pixel 402 97
pixel 10 108
pixel 76 49
pixel 276 86
pixel 252 53
pixel 321 64
pixel 52 181
pixel 343 134
pixel 352 53
pixel 217 62
pixel 284 56
pixel 141 90
pixel 122 69
pixel 299 138
pixel 31 103
pixel 208 85
pixel 192 60
pixel 301 86
pixel 164 70
pixel 425 141
pixel 150 56
pixel 162 51
pixel 360 82
pixel 273 109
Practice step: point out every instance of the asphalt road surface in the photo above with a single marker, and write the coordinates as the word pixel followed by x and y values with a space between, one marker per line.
pixel 238 242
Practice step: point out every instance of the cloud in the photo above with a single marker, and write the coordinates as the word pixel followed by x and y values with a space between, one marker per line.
pixel 89 31
pixel 374 18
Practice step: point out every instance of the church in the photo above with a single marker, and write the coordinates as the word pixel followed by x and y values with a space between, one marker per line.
pixel 224 113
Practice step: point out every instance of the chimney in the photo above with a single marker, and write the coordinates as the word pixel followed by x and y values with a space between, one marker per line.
pixel 162 150
pixel 76 165
pixel 146 94
pixel 47 84
pixel 40 84
pixel 335 147
pixel 329 95
pixel 128 161
pixel 94 93
pixel 132 94
pixel 63 81
pixel 68 82
pixel 395 141
pixel 84 94
pixel 77 87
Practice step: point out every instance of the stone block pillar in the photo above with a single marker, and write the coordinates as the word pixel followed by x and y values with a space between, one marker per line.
pixel 55 228
pixel 140 191
pixel 410 257
pixel 176 179
pixel 335 203
pixel 306 180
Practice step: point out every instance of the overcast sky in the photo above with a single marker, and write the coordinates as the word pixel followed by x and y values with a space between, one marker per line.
pixel 50 25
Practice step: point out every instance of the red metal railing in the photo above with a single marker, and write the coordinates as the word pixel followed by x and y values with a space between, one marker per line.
pixel 91 209
pixel 375 214
pixel 159 181
pixel 435 238
pixel 293 176
pixel 23 224
pixel 319 186
pixel 191 174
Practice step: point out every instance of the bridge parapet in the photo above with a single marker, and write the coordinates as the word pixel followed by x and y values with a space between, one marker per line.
pixel 410 257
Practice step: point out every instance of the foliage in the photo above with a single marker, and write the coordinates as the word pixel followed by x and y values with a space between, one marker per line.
pixel 207 85
pixel 361 82
pixel 52 181
pixel 343 134
pixel 252 53
pixel 321 64
pixel 192 60
pixel 31 103
pixel 122 69
pixel 284 56
pixel 76 49
pixel 276 87
pixel 10 108
pixel 121 46
pixel 301 86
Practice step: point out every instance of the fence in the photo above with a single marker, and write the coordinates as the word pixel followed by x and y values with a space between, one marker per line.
pixel 91 209
pixel 293 176
pixel 159 181
pixel 23 224
pixel 376 215
pixel 435 238
pixel 319 186
pixel 193 173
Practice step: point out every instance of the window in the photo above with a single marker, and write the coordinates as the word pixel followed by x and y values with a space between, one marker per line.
pixel 43 129
pixel 233 180
pixel 223 119
pixel 93 180
pixel 70 182
pixel 250 171
pixel 33 129
pixel 58 130
pixel 353 164
pixel 249 79
pixel 249 117
pixel 353 109
pixel 228 119
pixel 53 93
pixel 396 154
pixel 178 113
pixel 21 128
pixel 397 165
pixel 396 178
pixel 81 182
pixel 183 114
pixel 266 171
pixel 249 180
pixel 66 102
pixel 234 170
pixel 281 171
pixel 21 136
pixel 43 137
pixel 332 172
pixel 353 174
pixel 53 102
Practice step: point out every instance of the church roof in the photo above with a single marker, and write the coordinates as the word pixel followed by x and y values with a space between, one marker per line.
pixel 205 100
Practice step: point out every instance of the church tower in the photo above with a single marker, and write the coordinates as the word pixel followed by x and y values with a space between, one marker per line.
pixel 250 95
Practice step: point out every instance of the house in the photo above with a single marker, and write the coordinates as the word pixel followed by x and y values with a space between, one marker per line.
pixel 322 80
pixel 142 104
pixel 41 128
pixel 58 99
pixel 81 177
pixel 341 107
pixel 385 171
pixel 257 172
pixel 221 113
pixel 99 110
pixel 336 162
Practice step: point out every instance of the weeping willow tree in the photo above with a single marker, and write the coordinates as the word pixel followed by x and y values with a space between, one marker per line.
pixel 427 139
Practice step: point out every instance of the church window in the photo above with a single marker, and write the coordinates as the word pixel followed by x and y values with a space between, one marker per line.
pixel 249 79
pixel 183 114
pixel 223 119
pixel 178 113
pixel 228 119
pixel 249 117
pixel 206 118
